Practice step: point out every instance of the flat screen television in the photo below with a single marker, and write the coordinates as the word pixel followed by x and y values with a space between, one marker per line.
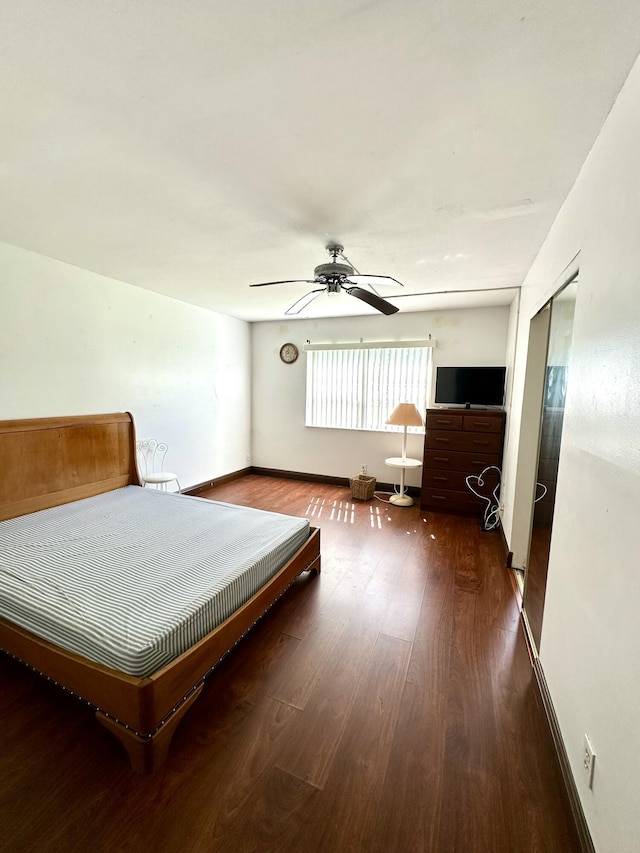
pixel 470 386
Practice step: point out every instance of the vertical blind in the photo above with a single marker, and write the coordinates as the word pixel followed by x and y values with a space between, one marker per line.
pixel 352 388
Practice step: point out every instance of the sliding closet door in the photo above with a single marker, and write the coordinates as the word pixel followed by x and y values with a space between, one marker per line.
pixel 556 382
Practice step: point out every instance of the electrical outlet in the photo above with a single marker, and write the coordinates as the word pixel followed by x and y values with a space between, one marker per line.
pixel 364 469
pixel 588 761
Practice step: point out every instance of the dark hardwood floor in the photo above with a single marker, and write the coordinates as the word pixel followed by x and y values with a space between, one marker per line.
pixel 386 705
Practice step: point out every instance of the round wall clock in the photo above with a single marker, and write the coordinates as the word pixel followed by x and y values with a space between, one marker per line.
pixel 288 353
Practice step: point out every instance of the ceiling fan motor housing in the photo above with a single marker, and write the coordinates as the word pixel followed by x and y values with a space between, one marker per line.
pixel 333 271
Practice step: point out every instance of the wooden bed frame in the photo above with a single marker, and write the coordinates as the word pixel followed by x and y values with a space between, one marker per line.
pixel 46 462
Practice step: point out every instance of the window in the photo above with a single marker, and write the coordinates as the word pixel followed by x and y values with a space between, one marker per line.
pixel 357 386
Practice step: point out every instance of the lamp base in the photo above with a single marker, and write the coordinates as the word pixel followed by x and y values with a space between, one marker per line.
pixel 401 500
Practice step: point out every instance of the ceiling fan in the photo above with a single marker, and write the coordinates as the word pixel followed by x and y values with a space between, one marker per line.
pixel 335 277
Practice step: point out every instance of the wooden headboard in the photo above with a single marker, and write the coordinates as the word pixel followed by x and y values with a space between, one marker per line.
pixel 49 461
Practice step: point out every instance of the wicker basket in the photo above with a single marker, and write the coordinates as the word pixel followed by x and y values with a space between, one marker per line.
pixel 362 487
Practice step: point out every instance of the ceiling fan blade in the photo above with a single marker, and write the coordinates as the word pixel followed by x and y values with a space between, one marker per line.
pixel 376 302
pixel 297 307
pixel 375 280
pixel 292 281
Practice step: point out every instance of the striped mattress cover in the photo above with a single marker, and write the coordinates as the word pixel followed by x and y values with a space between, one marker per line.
pixel 134 577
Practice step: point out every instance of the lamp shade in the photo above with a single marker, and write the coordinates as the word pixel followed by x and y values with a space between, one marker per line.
pixel 405 414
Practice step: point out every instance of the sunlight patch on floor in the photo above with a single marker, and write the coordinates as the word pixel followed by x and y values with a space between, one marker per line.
pixel 341 511
pixel 344 512
pixel 316 505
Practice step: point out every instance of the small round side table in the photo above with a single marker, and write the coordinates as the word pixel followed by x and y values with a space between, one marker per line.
pixel 402 498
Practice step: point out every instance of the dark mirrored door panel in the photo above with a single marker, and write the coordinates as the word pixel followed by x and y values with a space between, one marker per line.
pixel 557 378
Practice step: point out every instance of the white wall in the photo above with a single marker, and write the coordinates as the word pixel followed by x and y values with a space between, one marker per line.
pixel 72 342
pixel 590 647
pixel 280 438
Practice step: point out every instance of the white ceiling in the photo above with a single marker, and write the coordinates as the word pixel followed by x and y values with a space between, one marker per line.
pixel 195 147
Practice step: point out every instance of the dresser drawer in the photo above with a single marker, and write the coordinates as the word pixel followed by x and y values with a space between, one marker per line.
pixel 444 421
pixel 445 500
pixel 473 441
pixel 482 423
pixel 452 460
pixel 457 481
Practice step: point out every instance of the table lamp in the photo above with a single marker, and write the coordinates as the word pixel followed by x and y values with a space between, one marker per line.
pixel 404 415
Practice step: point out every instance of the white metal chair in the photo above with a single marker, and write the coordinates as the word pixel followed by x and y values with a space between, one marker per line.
pixel 151 454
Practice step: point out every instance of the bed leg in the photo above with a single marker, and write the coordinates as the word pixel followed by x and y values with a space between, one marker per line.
pixel 147 754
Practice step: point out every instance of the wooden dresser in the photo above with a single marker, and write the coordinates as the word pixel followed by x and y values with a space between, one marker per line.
pixel 459 442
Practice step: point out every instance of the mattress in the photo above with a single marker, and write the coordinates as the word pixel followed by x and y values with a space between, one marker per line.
pixel 134 577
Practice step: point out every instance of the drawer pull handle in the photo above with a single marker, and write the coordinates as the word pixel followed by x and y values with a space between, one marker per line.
pixel 481 423
pixel 446 440
pixel 438 497
pixel 484 441
pixel 442 479
pixel 443 420
pixel 441 459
